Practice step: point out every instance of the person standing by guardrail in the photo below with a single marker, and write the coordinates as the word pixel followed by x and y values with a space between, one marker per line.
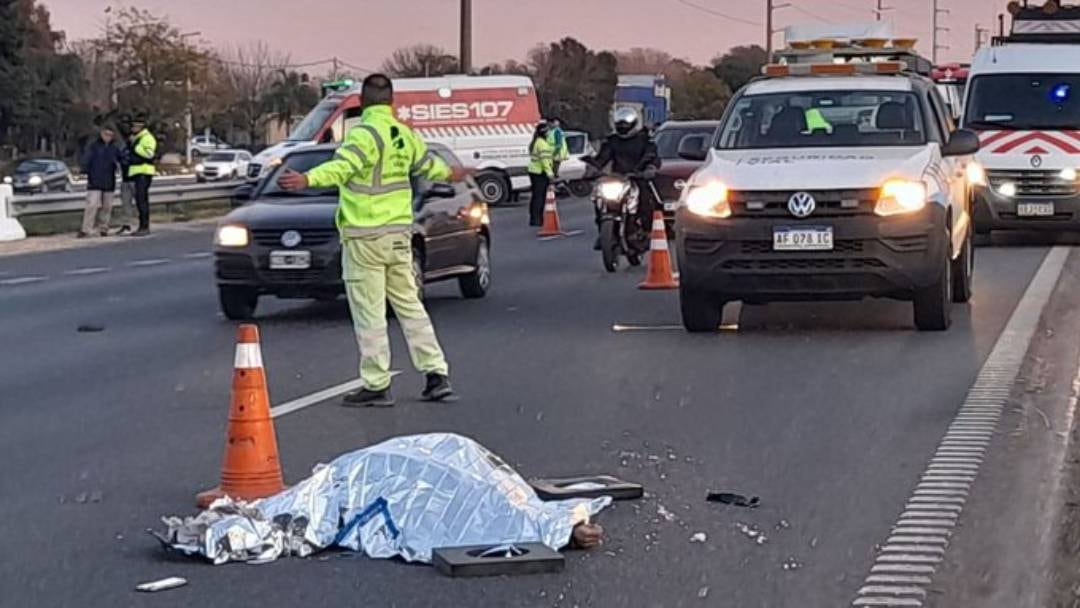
pixel 128 213
pixel 541 172
pixel 100 161
pixel 142 170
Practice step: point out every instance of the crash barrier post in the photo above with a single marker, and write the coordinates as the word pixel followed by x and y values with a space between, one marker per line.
pixel 251 468
pixel 661 274
pixel 551 226
pixel 10 228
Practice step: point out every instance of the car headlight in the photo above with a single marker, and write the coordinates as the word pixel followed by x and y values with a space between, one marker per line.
pixel 231 235
pixel 199 168
pixel 1068 174
pixel 709 200
pixel 612 190
pixel 976 175
pixel 900 196
pixel 1007 189
pixel 8 180
pixel 35 180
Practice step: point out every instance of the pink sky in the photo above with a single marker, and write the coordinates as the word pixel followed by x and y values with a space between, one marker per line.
pixel 363 32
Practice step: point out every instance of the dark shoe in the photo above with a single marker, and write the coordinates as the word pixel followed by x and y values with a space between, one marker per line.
pixel 438 388
pixel 123 230
pixel 81 235
pixel 141 232
pixel 368 398
pixel 104 232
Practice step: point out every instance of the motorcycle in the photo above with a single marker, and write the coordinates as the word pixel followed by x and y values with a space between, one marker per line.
pixel 621 230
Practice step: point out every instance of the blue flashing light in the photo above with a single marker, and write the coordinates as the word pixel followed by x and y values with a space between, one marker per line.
pixel 1060 93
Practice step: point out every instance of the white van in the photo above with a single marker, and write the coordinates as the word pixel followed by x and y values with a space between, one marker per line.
pixel 487 121
pixel 1023 99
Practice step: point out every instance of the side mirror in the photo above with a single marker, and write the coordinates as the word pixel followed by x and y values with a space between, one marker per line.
pixel 441 190
pixel 962 143
pixel 693 147
pixel 242 194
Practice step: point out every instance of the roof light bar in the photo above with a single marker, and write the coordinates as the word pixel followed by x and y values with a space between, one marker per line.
pixel 777 70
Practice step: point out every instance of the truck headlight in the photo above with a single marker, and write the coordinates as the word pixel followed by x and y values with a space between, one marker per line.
pixel 1068 174
pixel 709 200
pixel 35 180
pixel 231 235
pixel 900 196
pixel 976 175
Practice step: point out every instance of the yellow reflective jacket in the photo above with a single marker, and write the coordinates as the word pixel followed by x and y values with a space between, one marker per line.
pixel 143 150
pixel 372 170
pixel 816 121
pixel 542 157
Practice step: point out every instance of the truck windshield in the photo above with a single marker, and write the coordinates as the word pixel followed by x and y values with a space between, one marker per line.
pixel 314 121
pixel 668 140
pixel 807 119
pixel 1024 101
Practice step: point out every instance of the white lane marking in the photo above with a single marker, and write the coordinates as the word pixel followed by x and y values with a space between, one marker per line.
pixel 198 255
pixel 929 509
pixel 22 280
pixel 85 271
pixel 318 397
pixel 154 262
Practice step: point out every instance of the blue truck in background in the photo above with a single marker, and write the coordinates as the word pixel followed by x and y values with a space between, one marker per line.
pixel 649 95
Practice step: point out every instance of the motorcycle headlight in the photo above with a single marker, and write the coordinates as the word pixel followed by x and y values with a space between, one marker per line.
pixel 35 180
pixel 900 196
pixel 709 200
pixel 612 190
pixel 976 175
pixel 231 235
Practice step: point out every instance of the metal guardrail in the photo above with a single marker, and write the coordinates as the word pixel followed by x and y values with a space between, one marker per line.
pixel 44 204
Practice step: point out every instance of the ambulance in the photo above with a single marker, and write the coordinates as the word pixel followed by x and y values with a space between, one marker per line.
pixel 1023 100
pixel 487 121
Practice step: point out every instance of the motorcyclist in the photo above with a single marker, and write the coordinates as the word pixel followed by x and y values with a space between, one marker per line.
pixel 630 151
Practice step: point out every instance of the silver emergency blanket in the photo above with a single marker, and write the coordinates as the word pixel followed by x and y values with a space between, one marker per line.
pixel 403 497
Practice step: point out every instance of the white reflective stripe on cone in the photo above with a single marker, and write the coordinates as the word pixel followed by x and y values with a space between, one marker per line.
pixel 248 356
pixel 658 245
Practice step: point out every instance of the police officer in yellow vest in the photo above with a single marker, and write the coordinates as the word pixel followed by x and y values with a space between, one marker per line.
pixel 373 170
pixel 142 170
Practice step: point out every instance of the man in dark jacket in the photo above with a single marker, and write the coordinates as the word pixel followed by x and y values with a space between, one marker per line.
pixel 630 151
pixel 100 162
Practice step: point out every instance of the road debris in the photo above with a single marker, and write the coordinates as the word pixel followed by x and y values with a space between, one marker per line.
pixel 736 500
pixel 703 592
pixel 164 584
pixel 662 511
pixel 783 524
pixel 791 564
pixel 699 537
pixel 752 532
pixel 378 501
pixel 88 328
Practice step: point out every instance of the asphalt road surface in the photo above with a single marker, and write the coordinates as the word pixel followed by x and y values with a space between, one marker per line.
pixel 827 412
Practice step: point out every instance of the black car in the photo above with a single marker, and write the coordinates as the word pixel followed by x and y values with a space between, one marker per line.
pixel 40 175
pixel 286 243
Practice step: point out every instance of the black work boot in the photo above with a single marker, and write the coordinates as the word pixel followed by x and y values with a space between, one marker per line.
pixel 125 229
pixel 437 389
pixel 369 398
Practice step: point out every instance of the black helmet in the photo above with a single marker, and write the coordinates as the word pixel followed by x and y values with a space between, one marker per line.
pixel 626 121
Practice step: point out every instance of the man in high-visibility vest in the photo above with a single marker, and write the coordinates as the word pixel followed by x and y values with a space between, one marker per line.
pixel 141 169
pixel 372 170
pixel 557 138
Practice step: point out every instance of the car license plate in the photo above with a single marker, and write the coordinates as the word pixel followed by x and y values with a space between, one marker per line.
pixel 810 238
pixel 1034 209
pixel 290 260
pixel 670 205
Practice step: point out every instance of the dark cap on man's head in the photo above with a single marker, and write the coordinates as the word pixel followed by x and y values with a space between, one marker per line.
pixel 377 89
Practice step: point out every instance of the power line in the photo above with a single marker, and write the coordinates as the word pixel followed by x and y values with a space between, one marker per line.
pixel 802 10
pixel 717 13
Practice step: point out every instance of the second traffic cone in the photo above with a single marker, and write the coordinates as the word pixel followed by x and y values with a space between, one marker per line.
pixel 660 275
pixel 251 468
pixel 551 225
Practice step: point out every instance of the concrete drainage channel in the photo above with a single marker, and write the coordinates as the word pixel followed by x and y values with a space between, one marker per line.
pixel 904 568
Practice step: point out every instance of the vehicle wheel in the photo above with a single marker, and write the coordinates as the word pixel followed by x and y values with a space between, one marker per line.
pixel 984 239
pixel 933 304
pixel 963 269
pixel 701 310
pixel 476 284
pixel 609 246
pixel 580 188
pixel 418 271
pixel 200 180
pixel 238 303
pixel 494 188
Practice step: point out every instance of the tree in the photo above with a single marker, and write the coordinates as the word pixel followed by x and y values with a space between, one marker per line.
pixel 249 72
pixel 739 65
pixel 649 61
pixel 290 96
pixel 420 60
pixel 510 67
pixel 576 84
pixel 700 96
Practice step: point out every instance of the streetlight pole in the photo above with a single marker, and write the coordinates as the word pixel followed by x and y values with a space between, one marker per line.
pixel 188 127
pixel 465 55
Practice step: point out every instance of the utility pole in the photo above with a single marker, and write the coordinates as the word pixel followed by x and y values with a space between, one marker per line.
pixel 879 12
pixel 771 7
pixel 465 56
pixel 188 127
pixel 937 29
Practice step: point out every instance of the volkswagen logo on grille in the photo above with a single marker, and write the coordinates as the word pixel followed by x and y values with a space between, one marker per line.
pixel 1036 161
pixel 291 238
pixel 680 184
pixel 801 204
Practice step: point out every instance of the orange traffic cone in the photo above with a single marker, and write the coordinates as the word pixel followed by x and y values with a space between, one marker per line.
pixel 251 468
pixel 660 275
pixel 551 225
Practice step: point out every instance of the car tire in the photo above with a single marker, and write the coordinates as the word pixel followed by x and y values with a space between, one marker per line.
pixel 200 180
pixel 933 304
pixel 963 271
pixel 494 188
pixel 238 303
pixel 702 311
pixel 580 188
pixel 476 284
pixel 418 272
pixel 609 246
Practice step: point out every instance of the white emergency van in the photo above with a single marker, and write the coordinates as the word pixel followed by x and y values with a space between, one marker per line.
pixel 1023 99
pixel 487 121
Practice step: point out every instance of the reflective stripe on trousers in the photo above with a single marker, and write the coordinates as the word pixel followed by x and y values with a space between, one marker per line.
pixel 377 269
